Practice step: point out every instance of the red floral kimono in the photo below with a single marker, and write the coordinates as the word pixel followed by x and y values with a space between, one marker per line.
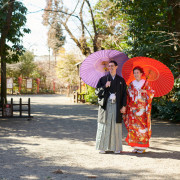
pixel 138 115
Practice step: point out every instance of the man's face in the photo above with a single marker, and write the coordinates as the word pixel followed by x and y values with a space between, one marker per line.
pixel 112 68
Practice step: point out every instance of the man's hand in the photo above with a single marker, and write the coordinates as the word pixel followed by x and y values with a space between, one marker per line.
pixel 123 110
pixel 143 91
pixel 108 84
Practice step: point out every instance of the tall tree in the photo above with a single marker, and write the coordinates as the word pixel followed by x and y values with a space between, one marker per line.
pixel 105 27
pixel 67 70
pixel 12 18
pixel 55 9
pixel 27 66
pixel 55 37
pixel 154 29
pixel 111 25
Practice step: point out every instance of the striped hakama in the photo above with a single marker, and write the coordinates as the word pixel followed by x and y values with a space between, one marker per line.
pixel 109 135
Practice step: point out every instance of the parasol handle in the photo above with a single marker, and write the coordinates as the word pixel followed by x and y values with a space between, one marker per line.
pixel 144 83
pixel 146 80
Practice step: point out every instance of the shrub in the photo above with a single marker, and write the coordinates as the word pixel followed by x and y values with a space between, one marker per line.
pixel 168 107
pixel 91 96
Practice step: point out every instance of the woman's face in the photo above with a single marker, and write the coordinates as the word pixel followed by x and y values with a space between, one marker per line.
pixel 137 74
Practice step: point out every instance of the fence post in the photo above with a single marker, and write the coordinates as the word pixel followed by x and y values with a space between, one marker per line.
pixel 20 107
pixel 29 108
pixel 12 106
pixel 3 107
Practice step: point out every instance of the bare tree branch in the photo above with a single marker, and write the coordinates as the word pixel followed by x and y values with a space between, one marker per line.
pixel 92 17
pixel 70 34
pixel 72 12
pixel 94 27
pixel 68 14
pixel 81 18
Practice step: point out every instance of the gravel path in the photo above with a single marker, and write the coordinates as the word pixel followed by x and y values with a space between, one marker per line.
pixel 59 143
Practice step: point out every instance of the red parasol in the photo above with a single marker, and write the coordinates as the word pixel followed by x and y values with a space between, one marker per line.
pixel 159 76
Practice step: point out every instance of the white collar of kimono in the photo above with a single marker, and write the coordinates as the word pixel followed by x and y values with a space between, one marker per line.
pixel 113 76
pixel 138 84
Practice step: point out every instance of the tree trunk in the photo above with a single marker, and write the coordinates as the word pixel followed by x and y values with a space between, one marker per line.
pixel 55 58
pixel 3 79
pixel 176 12
pixel 4 34
pixel 94 27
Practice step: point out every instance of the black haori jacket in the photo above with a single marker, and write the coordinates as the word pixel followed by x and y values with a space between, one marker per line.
pixel 103 94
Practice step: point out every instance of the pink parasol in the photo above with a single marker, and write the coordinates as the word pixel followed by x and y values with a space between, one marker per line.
pixel 96 65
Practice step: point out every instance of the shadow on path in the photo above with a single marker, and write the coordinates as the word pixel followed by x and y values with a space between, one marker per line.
pixel 78 122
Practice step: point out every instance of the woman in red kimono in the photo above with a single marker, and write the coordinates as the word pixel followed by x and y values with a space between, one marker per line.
pixel 138 115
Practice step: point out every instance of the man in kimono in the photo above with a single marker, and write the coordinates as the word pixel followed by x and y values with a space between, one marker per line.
pixel 111 92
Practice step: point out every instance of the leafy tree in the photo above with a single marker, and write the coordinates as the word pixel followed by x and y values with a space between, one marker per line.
pixel 13 70
pixel 55 37
pixel 55 9
pixel 154 29
pixel 111 25
pixel 27 66
pixel 67 70
pixel 106 28
pixel 12 18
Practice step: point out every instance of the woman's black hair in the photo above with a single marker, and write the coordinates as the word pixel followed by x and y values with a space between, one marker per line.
pixel 138 68
pixel 115 63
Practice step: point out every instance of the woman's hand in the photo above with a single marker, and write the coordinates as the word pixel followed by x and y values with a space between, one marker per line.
pixel 123 110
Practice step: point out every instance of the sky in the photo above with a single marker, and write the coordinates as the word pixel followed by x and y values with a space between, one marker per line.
pixel 36 41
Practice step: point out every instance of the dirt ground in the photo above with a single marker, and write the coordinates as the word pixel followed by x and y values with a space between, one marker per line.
pixel 59 143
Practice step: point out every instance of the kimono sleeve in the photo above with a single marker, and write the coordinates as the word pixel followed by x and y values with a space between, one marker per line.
pixel 150 95
pixel 124 94
pixel 126 115
pixel 100 89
